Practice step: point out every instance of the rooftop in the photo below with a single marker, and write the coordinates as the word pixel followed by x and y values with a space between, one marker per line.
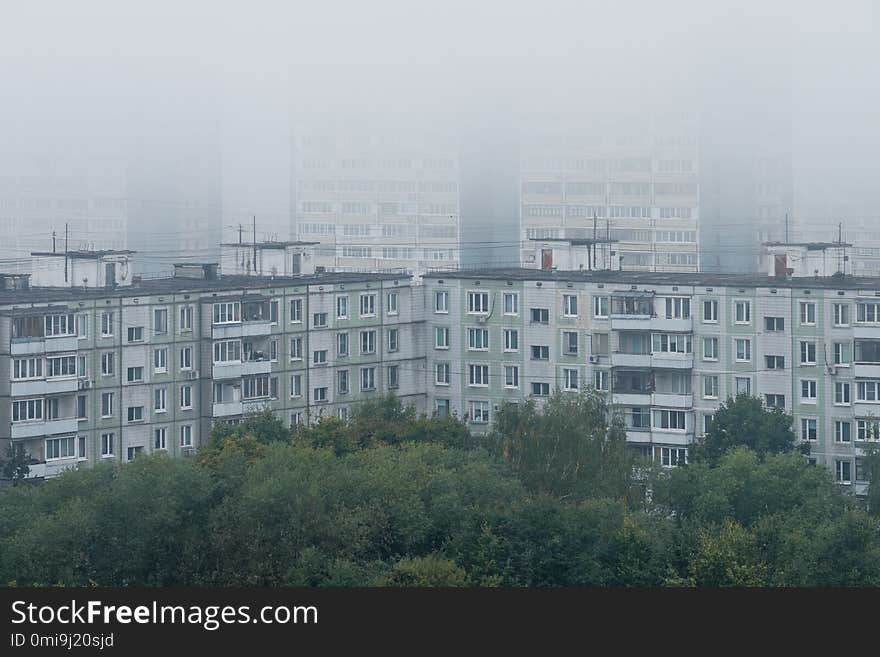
pixel 173 285
pixel 812 246
pixel 664 278
pixel 83 253
pixel 269 244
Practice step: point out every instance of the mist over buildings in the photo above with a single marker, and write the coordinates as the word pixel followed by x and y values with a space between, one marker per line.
pixel 163 127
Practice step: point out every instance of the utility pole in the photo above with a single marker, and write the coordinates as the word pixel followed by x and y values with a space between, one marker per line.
pixel 53 240
pixel 595 236
pixel 240 229
pixel 255 245
pixel 786 227
pixel 65 250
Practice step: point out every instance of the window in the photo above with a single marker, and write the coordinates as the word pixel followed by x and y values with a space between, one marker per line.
pixel 479 412
pixel 841 314
pixel 135 413
pixel 159 438
pixel 511 376
pixel 393 340
pixel 540 316
pixel 599 344
pixel 107 440
pixel 60 366
pixel 107 324
pixel 808 313
pixel 540 352
pixel 319 320
pixel 441 337
pixel 58 325
pixel 863 470
pixel 135 333
pixel 160 360
pixel 774 324
pixel 601 380
pixel 570 343
pixel 273 311
pixel 808 391
pixel 296 385
pixel 441 302
pixel 710 311
pixel 342 382
pixel 775 362
pixel 320 394
pixel 160 321
pixel 185 318
pixel 808 352
pixel 671 343
pixel 82 326
pixel 843 471
pixel 743 385
pixel 82 407
pixel 541 389
pixel 668 419
pixel 809 429
pixel 842 353
pixel 368 378
pixel 478 303
pixel 710 348
pixel 160 400
pixel 710 387
pixel 25 410
pixel 296 348
pixel 478 375
pixel 601 307
pixel 511 340
pixel 368 342
pixel 368 305
pixel 135 374
pixel 569 305
pixel 570 380
pixel 186 354
pixel 27 368
pixel 227 313
pixel 342 344
pixel 511 303
pixel 296 311
pixel 186 396
pixel 842 393
pixel 478 339
pixel 255 387
pixel 441 374
pixel 186 435
pixel 868 312
pixel 393 376
pixel 227 351
pixel 867 430
pixel 107 404
pixel 868 391
pixel 742 312
pixel 774 401
pixel 743 349
pixel 842 431
pixel 319 357
pixel 671 457
pixel 392 303
pixel 342 307
pixel 678 308
pixel 867 351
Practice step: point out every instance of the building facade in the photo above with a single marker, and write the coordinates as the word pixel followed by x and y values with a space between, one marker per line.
pixel 108 373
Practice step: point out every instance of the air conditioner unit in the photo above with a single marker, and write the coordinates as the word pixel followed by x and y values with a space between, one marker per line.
pixel 187 451
pixel 194 374
pixel 481 319
pixel 594 359
pixel 85 384
pixel 832 369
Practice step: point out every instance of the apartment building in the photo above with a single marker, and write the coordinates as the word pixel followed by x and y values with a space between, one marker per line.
pixel 667 348
pixel 631 179
pixel 120 366
pixel 377 200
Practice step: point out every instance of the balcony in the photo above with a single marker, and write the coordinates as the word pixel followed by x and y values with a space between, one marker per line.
pixel 672 400
pixel 224 409
pixel 40 387
pixel 672 361
pixel 236 369
pixel 51 468
pixel 242 329
pixel 635 435
pixel 672 437
pixel 631 322
pixel 632 398
pixel 867 331
pixel 619 359
pixel 41 345
pixel 866 370
pixel 38 428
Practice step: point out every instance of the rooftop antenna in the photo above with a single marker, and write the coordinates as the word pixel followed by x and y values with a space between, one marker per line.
pixel 593 246
pixel 65 251
pixel 240 229
pixel 786 227
pixel 53 240
pixel 255 245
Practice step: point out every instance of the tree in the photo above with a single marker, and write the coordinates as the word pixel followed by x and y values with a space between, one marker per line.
pixel 573 446
pixel 430 570
pixel 745 421
pixel 16 464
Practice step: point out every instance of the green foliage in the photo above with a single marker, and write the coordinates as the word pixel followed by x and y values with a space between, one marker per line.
pixel 16 465
pixel 570 448
pixel 745 421
pixel 393 498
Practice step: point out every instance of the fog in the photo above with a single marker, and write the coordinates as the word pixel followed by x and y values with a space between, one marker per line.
pixel 189 108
